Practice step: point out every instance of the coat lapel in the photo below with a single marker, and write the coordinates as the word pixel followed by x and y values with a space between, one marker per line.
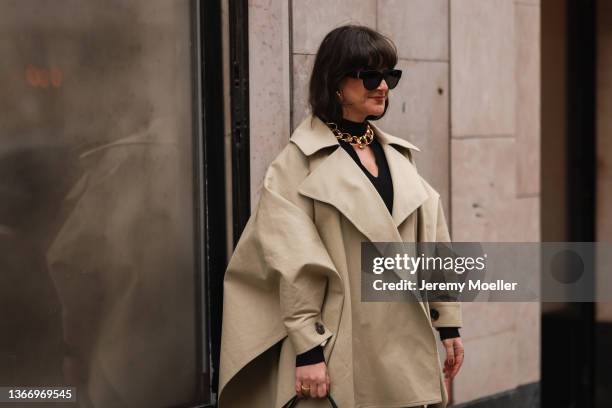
pixel 408 190
pixel 339 181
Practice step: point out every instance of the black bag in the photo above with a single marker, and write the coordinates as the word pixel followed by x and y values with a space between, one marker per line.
pixel 294 401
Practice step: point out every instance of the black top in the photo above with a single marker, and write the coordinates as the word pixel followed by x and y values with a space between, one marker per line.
pixel 382 182
pixel 384 185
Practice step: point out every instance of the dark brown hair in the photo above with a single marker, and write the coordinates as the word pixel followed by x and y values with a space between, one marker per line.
pixel 344 49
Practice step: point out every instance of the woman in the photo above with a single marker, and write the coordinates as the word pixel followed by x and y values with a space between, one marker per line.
pixel 293 321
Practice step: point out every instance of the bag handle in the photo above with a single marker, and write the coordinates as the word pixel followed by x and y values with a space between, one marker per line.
pixel 294 401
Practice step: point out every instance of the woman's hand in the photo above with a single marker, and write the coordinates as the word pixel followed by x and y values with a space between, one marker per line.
pixel 454 356
pixel 313 376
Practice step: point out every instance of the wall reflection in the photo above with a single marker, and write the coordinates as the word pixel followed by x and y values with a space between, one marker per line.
pixel 96 201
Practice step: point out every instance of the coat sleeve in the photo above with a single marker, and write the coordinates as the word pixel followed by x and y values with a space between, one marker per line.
pixel 292 250
pixel 444 314
pixel 276 280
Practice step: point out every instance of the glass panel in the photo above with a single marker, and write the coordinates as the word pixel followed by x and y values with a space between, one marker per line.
pixel 97 275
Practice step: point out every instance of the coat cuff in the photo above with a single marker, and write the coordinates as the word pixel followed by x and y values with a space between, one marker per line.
pixel 309 335
pixel 445 314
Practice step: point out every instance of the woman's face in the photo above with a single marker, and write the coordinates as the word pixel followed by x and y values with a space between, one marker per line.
pixel 358 102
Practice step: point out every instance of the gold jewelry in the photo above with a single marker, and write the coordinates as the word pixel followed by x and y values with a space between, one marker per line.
pixel 361 141
pixel 305 390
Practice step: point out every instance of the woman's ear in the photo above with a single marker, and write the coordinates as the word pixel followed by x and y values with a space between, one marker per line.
pixel 338 94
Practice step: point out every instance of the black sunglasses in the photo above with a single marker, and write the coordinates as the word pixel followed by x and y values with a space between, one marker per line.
pixel 373 78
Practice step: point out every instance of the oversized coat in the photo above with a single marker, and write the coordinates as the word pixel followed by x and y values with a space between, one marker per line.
pixel 287 285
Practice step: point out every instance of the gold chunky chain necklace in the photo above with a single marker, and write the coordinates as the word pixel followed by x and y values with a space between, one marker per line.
pixel 361 141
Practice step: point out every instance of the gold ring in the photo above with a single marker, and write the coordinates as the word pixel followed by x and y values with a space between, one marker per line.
pixel 306 390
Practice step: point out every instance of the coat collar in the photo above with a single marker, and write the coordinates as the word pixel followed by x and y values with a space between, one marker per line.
pixel 338 180
pixel 313 135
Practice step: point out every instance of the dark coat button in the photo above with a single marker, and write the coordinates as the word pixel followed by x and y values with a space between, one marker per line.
pixel 434 314
pixel 319 327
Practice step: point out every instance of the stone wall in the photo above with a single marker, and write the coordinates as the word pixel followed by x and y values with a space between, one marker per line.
pixel 495 175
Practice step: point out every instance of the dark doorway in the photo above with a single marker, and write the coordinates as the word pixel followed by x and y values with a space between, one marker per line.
pixel 213 168
pixel 568 340
pixel 216 156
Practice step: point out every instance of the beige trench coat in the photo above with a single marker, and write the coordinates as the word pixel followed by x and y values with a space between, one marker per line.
pixel 291 271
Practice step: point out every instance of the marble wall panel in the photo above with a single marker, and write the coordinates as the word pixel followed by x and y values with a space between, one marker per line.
pixel 482 67
pixel 524 224
pixel 527 20
pixel 302 67
pixel 419 28
pixel 485 206
pixel 269 84
pixel 313 19
pixel 483 188
pixel 490 366
pixel 481 319
pixel 528 333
